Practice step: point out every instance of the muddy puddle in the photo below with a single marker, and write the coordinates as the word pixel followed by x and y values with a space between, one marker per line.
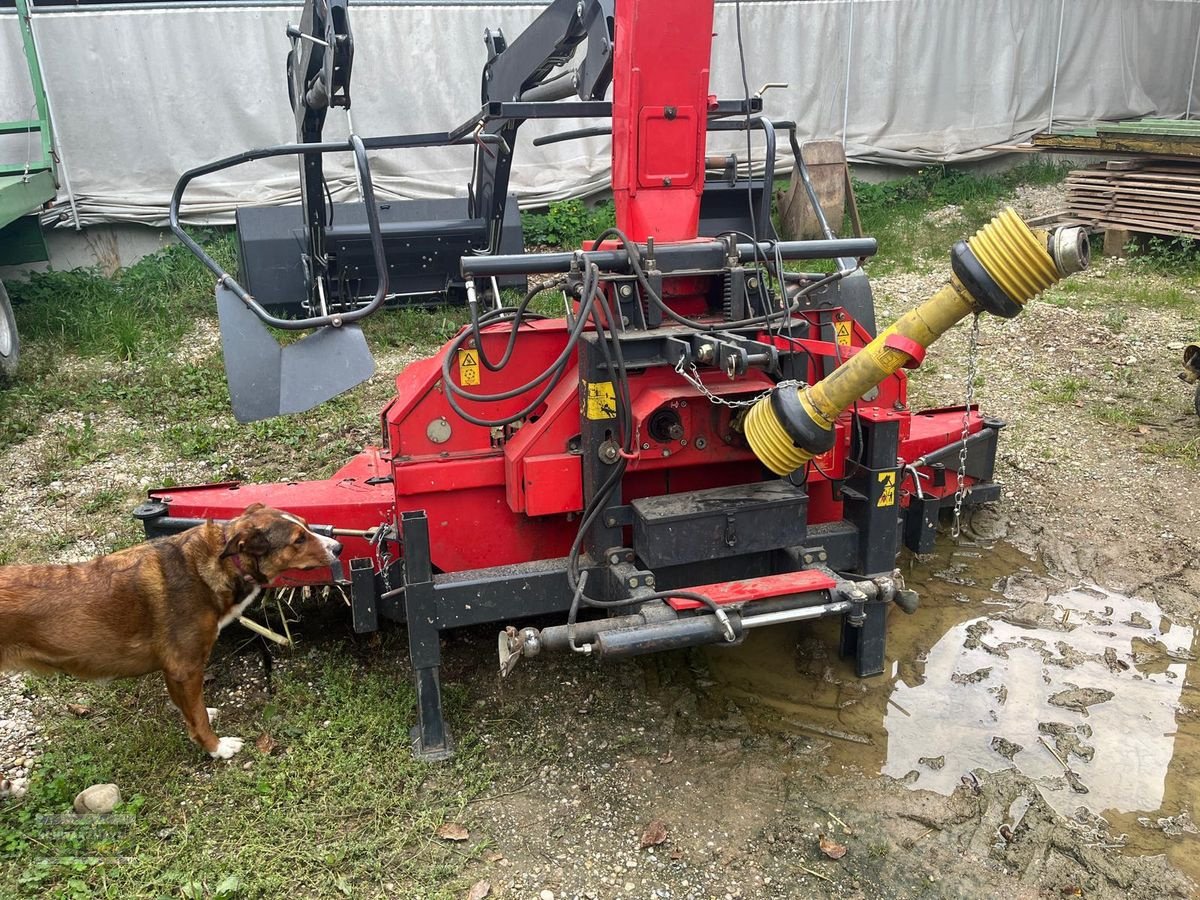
pixel 1092 695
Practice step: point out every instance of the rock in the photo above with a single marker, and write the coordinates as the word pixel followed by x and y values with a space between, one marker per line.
pixel 973 677
pixel 933 762
pixel 1079 699
pixel 99 799
pixel 1005 747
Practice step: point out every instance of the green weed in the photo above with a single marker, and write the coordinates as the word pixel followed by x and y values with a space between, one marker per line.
pixel 567 223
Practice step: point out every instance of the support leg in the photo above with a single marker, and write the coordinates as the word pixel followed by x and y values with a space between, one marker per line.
pixel 430 738
pixel 867 643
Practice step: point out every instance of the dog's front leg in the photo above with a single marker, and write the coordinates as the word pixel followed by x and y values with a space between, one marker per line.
pixel 187 692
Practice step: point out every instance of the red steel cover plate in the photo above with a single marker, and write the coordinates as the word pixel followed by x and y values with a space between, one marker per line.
pixel 761 588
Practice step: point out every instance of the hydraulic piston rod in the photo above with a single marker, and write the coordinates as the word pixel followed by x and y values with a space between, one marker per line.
pixel 1004 265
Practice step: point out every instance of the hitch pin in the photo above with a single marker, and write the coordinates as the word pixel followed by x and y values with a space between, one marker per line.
pixel 297 35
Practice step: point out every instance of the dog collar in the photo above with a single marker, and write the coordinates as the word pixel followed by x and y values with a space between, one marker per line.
pixel 236 559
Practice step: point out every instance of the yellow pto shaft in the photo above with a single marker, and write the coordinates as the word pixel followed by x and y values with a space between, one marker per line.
pixel 1004 266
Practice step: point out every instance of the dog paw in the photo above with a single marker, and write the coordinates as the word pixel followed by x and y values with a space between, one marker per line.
pixel 213 712
pixel 226 747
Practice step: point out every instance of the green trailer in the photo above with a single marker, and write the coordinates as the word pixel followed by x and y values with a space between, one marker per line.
pixel 25 187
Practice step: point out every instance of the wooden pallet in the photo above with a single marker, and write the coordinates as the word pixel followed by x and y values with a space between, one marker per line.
pixel 1150 197
pixel 1159 137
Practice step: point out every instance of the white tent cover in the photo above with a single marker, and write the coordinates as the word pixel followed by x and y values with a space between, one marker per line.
pixel 142 93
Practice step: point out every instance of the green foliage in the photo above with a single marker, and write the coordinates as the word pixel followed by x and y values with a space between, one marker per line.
pixel 899 213
pixel 567 224
pixel 1168 256
pixel 140 310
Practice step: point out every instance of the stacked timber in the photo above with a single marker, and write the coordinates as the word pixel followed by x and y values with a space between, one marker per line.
pixel 1147 196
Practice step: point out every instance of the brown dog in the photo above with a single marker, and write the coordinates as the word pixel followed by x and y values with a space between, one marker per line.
pixel 154 607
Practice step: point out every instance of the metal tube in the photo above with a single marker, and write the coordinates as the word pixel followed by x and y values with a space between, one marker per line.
pixel 1062 10
pixel 796 615
pixel 846 93
pixel 1192 84
pixel 692 632
pixel 617 261
pixel 62 156
pixel 556 636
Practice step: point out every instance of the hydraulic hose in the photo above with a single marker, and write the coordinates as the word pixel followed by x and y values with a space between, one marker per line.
pixel 1004 266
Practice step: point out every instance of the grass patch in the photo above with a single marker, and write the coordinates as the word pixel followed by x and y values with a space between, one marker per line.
pixel 339 809
pixel 141 310
pixel 1064 390
pixel 898 212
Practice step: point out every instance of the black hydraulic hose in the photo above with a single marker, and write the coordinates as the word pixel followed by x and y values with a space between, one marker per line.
pixel 519 315
pixel 635 264
pixel 551 375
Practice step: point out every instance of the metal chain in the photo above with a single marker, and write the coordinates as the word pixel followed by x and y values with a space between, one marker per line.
pixel 379 539
pixel 694 380
pixel 972 369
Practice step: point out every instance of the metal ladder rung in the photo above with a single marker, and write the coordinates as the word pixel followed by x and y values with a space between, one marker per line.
pixel 19 127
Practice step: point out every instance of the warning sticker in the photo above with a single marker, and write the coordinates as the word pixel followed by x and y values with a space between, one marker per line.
pixel 601 400
pixel 468 367
pixel 883 356
pixel 842 331
pixel 888 496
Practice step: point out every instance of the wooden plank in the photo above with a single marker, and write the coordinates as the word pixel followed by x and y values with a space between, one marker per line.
pixel 1133 143
pixel 1142 222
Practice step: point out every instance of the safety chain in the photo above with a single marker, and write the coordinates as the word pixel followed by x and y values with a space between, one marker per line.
pixel 380 539
pixel 972 369
pixel 694 380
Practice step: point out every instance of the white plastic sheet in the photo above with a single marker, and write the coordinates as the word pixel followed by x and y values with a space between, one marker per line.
pixel 144 93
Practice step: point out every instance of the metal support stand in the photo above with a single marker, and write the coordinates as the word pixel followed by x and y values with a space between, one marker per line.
pixel 867 642
pixel 872 496
pixel 430 738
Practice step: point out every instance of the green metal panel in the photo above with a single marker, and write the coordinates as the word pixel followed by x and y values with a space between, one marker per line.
pixel 22 241
pixel 38 85
pixel 25 187
pixel 21 195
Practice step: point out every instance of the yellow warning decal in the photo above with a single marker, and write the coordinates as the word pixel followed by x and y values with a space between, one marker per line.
pixel 842 330
pixel 601 400
pixel 888 496
pixel 883 356
pixel 468 367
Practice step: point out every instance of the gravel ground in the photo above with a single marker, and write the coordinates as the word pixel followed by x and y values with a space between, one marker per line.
pixel 20 742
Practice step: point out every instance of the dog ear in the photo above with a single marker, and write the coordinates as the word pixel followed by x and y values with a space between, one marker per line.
pixel 253 508
pixel 247 539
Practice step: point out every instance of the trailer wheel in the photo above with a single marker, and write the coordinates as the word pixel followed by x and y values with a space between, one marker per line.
pixel 10 344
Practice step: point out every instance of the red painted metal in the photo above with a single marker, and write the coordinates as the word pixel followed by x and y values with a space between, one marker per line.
pixel 513 495
pixel 766 587
pixel 660 108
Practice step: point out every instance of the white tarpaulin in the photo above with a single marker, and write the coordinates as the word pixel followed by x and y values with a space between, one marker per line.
pixel 143 93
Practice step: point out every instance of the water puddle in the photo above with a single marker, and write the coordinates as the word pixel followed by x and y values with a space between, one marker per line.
pixel 1092 695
